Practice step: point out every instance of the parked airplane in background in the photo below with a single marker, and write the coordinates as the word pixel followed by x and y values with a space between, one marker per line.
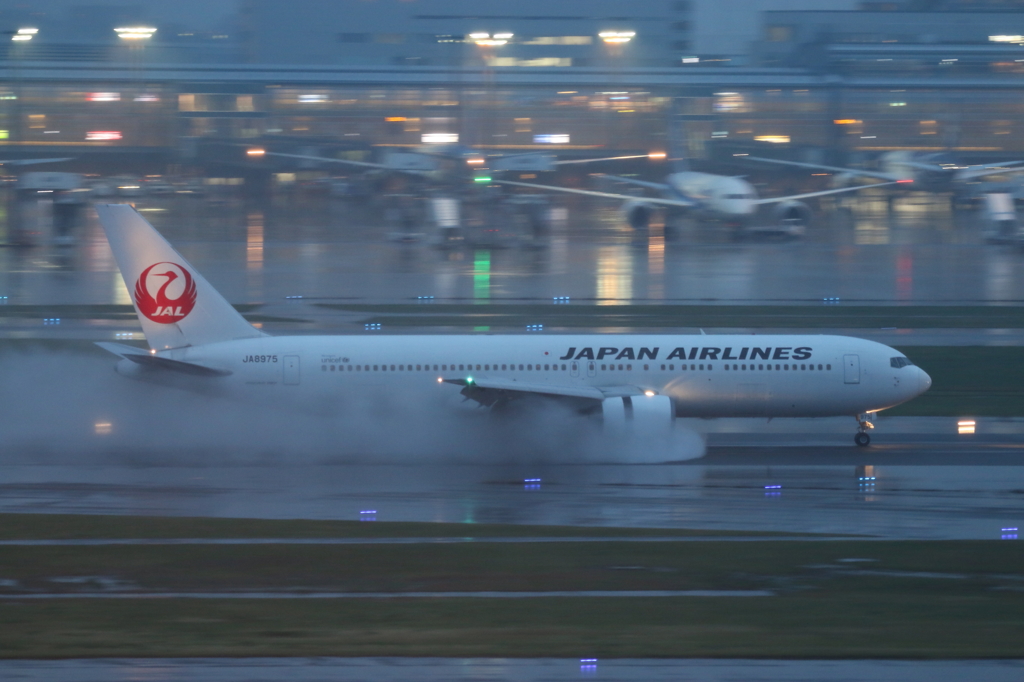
pixel 638 383
pixel 705 196
pixel 924 172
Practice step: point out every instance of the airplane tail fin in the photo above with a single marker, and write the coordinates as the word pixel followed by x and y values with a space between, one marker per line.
pixel 175 304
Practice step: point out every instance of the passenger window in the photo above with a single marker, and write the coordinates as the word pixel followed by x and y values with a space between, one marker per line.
pixel 629 368
pixel 828 367
pixel 563 368
pixel 701 368
pixel 547 368
pixel 520 368
pixel 478 368
pixel 672 367
pixel 323 368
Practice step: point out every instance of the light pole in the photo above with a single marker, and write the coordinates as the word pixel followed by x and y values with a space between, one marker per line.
pixel 136 38
pixel 21 36
pixel 614 42
pixel 487 43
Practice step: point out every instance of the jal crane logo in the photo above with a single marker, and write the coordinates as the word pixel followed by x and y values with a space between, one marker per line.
pixel 168 279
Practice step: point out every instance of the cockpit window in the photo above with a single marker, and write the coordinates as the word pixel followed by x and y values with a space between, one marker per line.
pixel 900 362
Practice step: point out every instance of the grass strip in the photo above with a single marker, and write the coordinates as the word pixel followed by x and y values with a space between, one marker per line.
pixel 899 599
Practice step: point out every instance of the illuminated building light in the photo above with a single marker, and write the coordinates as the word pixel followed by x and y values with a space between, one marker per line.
pixel 103 97
pixel 965 426
pixel 616 37
pixel 439 138
pixel 395 119
pixel 774 139
pixel 649 394
pixel 474 162
pixel 135 32
pixel 555 138
pixel 904 181
pixel 18 37
pixel 256 152
pixel 102 135
pixel 846 121
pixel 657 155
pixel 1006 39
pixel 691 60
pixel 102 428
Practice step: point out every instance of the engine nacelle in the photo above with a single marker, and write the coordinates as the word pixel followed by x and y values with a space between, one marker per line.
pixel 641 414
pixel 792 215
pixel 638 213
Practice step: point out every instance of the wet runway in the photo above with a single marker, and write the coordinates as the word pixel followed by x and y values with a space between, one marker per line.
pixel 499 670
pixel 908 486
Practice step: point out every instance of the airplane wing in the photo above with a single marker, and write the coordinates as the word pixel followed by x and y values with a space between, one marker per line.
pixel 837 169
pixel 325 159
pixel 141 357
pixel 685 203
pixel 988 169
pixel 808 195
pixel 29 162
pixel 606 158
pixel 510 385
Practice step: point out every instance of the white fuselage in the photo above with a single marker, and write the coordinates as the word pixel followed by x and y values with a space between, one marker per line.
pixel 720 197
pixel 705 376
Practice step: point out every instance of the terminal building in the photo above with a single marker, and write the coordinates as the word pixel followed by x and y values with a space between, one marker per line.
pixel 350 77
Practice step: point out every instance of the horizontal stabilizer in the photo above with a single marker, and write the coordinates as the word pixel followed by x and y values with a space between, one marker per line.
pixel 141 356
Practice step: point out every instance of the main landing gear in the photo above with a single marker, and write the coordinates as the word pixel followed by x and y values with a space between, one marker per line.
pixel 863 439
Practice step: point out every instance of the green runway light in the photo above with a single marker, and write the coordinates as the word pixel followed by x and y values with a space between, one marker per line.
pixel 483 178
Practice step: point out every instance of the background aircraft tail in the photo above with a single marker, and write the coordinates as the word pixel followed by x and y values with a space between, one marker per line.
pixel 175 304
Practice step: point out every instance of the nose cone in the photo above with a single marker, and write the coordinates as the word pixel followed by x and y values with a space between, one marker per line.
pixel 924 381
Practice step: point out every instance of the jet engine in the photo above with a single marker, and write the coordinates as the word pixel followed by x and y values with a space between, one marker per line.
pixel 651 415
pixel 638 213
pixel 791 214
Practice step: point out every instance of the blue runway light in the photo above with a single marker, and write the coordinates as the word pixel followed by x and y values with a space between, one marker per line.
pixel 1009 533
pixel 830 300
pixel 534 327
pixel 51 320
pixel 560 299
pixel 291 297
pixel 368 515
pixel 424 298
pixel 373 327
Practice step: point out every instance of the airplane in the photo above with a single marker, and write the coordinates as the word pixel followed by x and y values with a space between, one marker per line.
pixel 923 172
pixel 638 383
pixel 707 197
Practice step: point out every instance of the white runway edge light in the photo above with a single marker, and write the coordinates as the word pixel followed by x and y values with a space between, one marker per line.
pixel 965 426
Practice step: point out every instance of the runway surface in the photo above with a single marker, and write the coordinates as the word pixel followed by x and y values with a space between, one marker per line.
pixel 499 670
pixel 908 486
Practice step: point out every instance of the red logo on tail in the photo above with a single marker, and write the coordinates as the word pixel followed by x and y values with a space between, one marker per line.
pixel 161 308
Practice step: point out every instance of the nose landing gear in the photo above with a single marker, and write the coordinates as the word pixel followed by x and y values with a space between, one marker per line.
pixel 863 439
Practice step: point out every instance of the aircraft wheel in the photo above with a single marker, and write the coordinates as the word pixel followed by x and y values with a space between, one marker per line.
pixel 862 439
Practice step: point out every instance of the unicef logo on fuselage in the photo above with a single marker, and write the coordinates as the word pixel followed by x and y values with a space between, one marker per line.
pixel 165 293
